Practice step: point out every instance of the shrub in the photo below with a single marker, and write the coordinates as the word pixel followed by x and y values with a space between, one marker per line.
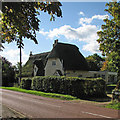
pixel 79 87
pixel 8 73
pixel 26 83
pixel 116 92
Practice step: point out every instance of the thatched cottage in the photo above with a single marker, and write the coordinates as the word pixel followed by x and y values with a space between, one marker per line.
pixel 63 60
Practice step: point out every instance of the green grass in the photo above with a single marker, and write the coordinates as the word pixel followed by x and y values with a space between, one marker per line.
pixel 39 93
pixel 112 85
pixel 114 105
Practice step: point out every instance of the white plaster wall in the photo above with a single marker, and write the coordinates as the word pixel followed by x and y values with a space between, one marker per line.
pixel 50 69
pixel 85 74
pixel 77 73
pixel 35 70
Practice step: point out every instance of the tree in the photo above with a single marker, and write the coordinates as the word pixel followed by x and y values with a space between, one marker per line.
pixel 94 62
pixel 20 20
pixel 113 63
pixel 8 73
pixel 109 37
pixel 104 66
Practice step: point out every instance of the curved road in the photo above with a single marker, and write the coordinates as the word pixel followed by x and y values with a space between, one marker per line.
pixel 40 107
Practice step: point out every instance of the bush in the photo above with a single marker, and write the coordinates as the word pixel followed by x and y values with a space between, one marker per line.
pixel 116 92
pixel 8 73
pixel 79 87
pixel 26 83
pixel 110 88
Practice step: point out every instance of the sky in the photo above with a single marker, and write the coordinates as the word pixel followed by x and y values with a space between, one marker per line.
pixel 78 26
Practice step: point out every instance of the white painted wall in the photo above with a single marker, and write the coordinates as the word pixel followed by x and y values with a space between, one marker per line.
pixel 50 69
pixel 103 74
pixel 77 73
pixel 35 70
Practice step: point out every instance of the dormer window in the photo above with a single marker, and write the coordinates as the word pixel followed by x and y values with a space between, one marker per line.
pixel 53 63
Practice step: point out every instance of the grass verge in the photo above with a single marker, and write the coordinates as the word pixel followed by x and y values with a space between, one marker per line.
pixel 114 105
pixel 39 93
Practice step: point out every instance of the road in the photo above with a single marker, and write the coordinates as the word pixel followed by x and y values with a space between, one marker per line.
pixel 33 106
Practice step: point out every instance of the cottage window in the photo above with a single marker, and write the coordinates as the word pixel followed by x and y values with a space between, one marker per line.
pixel 53 63
pixel 35 69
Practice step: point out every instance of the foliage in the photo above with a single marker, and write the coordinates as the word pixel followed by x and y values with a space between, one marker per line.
pixel 27 70
pixel 26 84
pixel 104 66
pixel 8 73
pixel 112 63
pixel 20 19
pixel 78 87
pixel 109 37
pixel 39 93
pixel 110 88
pixel 114 105
pixel 94 62
pixel 116 92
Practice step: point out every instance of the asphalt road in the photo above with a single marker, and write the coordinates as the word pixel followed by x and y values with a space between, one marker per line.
pixel 33 106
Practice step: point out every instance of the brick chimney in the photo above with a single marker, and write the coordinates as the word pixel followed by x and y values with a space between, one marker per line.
pixel 30 53
pixel 55 42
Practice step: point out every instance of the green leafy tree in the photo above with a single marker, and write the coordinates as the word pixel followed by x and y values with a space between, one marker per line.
pixel 94 62
pixel 113 63
pixel 20 19
pixel 109 37
pixel 8 73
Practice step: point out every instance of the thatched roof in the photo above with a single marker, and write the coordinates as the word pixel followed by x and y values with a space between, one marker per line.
pixel 68 54
pixel 28 67
pixel 72 58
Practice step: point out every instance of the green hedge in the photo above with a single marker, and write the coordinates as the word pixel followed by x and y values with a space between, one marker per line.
pixel 116 92
pixel 110 88
pixel 79 87
pixel 26 83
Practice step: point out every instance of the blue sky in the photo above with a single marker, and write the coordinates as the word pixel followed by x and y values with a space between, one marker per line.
pixel 78 26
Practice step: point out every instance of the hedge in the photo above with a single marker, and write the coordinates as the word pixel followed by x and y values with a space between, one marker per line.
pixel 116 92
pixel 26 83
pixel 78 87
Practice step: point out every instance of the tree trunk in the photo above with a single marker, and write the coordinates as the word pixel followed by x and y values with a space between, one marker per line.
pixel 20 60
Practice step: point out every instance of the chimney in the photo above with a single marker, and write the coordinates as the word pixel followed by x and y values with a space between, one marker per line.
pixel 30 53
pixel 55 42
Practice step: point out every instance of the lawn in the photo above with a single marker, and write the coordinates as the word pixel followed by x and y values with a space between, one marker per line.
pixel 39 93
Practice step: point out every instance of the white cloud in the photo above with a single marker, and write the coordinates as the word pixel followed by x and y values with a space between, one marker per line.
pixel 81 13
pixel 85 33
pixel 93 47
pixel 83 21
pixel 100 17
pixel 42 32
pixel 13 55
